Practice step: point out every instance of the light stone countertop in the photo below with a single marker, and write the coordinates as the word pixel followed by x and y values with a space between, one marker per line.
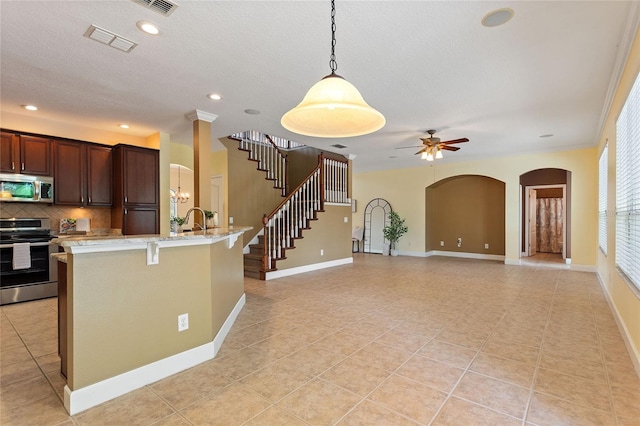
pixel 91 244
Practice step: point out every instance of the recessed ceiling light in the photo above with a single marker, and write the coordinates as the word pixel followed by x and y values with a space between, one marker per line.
pixel 124 126
pixel 148 27
pixel 214 96
pixel 548 135
pixel 30 107
pixel 497 17
pixel 252 111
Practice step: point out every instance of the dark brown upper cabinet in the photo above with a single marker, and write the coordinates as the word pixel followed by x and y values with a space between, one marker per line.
pixel 25 154
pixel 82 174
pixel 136 200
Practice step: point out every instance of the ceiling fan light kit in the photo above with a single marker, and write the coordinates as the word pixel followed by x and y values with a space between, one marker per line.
pixel 432 146
pixel 333 107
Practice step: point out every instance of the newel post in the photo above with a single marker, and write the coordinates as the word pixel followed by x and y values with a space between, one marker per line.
pixel 265 249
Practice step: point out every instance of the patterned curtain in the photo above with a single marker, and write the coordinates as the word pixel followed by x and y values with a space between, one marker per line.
pixel 549 228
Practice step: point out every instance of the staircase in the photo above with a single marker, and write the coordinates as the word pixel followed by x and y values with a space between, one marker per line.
pixel 286 223
pixel 268 152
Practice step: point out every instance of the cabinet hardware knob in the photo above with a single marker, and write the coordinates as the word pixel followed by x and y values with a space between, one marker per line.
pixel 89 200
pixel 13 165
pixel 125 200
pixel 82 199
pixel 22 166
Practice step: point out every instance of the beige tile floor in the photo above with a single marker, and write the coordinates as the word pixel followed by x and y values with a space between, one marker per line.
pixel 385 341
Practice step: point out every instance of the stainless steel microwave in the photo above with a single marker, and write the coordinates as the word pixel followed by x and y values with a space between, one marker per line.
pixel 26 188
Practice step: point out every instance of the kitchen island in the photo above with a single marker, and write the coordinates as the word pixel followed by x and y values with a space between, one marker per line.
pixel 126 299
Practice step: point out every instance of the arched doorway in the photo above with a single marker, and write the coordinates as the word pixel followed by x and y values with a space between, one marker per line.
pixel 546 216
pixel 376 217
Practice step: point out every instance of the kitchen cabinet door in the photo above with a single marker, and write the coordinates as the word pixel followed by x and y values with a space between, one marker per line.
pixel 35 156
pixel 9 152
pixel 69 173
pixel 141 176
pixel 99 175
pixel 140 220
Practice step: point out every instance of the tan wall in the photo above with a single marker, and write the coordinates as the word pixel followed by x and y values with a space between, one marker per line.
pixel 302 161
pixel 227 282
pixel 127 318
pixel 123 314
pixel 329 233
pixel 408 198
pixel 467 207
pixel 625 300
pixel 250 194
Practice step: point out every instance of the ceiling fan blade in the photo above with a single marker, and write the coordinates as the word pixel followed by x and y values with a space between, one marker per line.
pixel 420 152
pixel 449 148
pixel 451 142
pixel 405 147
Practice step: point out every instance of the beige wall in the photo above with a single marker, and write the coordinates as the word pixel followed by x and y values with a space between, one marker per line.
pixel 467 207
pixel 250 194
pixel 128 317
pixel 405 191
pixel 625 300
pixel 329 233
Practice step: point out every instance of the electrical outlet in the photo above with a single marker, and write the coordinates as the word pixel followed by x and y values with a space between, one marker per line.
pixel 486 245
pixel 321 252
pixel 183 322
pixel 346 219
pixel 459 242
pixel 441 243
pixel 230 220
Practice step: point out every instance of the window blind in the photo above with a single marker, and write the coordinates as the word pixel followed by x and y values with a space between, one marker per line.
pixel 602 198
pixel 628 187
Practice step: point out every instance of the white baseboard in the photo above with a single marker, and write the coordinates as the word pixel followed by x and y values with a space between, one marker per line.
pixel 633 351
pixel 515 262
pixel 465 255
pixel 307 268
pixel 84 398
pixel 414 253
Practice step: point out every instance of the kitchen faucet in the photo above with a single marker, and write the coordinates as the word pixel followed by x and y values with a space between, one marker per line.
pixel 204 223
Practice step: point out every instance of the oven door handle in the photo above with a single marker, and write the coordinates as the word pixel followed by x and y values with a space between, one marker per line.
pixel 32 245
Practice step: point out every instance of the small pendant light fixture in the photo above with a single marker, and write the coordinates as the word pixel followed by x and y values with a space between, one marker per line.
pixel 333 107
pixel 179 196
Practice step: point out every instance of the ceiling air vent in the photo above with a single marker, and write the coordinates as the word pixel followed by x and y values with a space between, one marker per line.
pixel 110 39
pixel 339 146
pixel 163 7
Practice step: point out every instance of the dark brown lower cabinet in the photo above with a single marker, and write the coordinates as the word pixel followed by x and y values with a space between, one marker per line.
pixel 140 220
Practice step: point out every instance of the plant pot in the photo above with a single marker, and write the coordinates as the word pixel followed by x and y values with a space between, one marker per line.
pixel 394 252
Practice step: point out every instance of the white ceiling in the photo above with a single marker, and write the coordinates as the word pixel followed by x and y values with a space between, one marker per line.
pixel 423 64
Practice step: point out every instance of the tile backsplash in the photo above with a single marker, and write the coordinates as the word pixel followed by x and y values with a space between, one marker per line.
pixel 100 216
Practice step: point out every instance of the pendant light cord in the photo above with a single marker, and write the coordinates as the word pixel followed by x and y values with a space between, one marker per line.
pixel 332 60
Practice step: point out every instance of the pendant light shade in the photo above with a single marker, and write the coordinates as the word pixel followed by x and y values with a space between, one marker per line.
pixel 333 107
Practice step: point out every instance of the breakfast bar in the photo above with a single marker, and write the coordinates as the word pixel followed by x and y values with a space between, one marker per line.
pixel 136 309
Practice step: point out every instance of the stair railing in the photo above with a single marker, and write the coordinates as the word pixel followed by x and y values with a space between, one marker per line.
pixel 327 182
pixel 267 153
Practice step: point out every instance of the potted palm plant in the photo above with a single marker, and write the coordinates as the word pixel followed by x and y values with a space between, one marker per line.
pixel 394 230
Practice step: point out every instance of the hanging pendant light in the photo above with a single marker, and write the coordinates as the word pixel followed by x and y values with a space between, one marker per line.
pixel 179 196
pixel 333 107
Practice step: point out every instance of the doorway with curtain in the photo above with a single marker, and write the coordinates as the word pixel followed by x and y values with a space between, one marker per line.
pixel 545 236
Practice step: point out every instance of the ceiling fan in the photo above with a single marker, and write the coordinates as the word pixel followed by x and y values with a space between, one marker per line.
pixel 432 146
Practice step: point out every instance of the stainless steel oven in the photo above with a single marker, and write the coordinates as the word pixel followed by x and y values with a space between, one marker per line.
pixel 27 270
